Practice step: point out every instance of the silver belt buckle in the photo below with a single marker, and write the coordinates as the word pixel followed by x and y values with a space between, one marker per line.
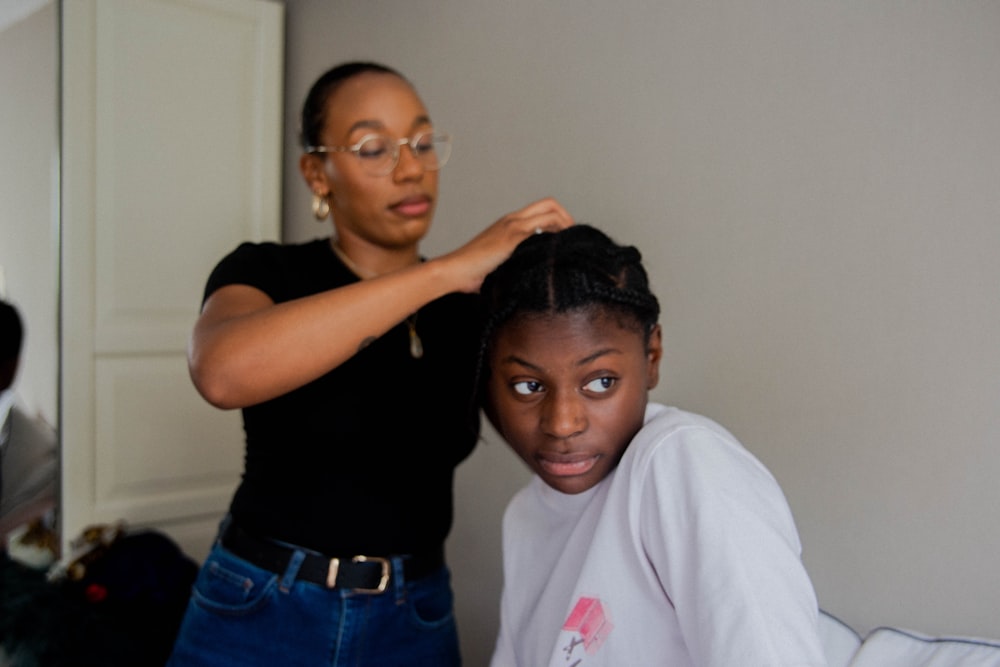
pixel 383 581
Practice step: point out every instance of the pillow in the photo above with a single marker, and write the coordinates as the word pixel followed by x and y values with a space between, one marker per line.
pixel 840 641
pixel 892 647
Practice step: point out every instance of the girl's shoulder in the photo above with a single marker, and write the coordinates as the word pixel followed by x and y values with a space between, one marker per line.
pixel 672 439
pixel 663 422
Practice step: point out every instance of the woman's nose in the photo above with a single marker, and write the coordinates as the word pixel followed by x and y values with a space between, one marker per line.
pixel 564 415
pixel 408 165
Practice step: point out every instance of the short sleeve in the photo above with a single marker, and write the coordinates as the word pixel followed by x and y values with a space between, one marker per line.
pixel 252 264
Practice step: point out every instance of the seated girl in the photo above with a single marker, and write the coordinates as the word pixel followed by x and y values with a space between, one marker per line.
pixel 648 535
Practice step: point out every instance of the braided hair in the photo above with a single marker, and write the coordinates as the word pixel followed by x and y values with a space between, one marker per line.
pixel 314 109
pixel 578 268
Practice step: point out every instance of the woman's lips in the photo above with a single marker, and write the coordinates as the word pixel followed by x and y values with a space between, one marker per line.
pixel 412 207
pixel 567 466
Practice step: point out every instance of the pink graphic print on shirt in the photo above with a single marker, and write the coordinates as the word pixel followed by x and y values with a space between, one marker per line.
pixel 589 620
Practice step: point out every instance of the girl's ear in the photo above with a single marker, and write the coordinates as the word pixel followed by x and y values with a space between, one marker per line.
pixel 654 352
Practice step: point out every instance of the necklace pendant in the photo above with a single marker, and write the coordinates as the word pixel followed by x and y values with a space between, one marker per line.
pixel 416 345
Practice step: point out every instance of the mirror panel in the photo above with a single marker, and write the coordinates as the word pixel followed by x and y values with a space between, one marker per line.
pixel 29 192
pixel 29 201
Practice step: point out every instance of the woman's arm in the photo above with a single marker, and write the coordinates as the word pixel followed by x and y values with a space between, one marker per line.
pixel 246 349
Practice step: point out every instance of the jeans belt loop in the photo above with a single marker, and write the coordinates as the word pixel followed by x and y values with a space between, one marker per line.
pixel 292 571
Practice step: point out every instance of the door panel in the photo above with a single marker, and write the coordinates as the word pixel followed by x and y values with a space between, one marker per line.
pixel 171 156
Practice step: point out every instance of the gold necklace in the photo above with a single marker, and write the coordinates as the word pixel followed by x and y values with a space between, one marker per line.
pixel 416 345
pixel 364 274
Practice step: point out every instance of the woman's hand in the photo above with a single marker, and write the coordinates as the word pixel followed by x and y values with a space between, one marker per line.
pixel 494 244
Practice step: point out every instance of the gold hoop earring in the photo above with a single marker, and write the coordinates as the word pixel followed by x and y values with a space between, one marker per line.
pixel 321 207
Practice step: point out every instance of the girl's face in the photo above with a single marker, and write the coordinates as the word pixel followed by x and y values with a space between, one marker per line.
pixel 568 392
pixel 389 211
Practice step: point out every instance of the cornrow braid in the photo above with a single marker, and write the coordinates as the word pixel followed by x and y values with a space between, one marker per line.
pixel 579 268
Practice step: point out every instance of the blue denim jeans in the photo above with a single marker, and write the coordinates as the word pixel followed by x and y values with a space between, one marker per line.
pixel 242 615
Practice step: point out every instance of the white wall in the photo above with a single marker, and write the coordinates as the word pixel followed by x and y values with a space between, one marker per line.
pixel 816 189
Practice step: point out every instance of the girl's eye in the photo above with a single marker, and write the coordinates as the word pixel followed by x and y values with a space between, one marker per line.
pixel 600 385
pixel 527 387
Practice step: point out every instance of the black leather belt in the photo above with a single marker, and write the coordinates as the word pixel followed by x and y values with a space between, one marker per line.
pixel 363 574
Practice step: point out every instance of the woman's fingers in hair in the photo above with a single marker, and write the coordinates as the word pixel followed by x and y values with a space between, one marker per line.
pixel 494 244
pixel 544 215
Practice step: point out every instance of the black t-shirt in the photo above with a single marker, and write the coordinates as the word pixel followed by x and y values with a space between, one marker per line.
pixel 361 460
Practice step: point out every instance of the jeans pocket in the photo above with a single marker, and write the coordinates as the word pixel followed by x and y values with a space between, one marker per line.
pixel 431 601
pixel 233 587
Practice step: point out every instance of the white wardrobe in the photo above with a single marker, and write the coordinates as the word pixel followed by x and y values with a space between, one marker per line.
pixel 171 154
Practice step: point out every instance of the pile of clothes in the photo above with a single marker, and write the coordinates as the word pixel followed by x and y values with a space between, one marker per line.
pixel 116 600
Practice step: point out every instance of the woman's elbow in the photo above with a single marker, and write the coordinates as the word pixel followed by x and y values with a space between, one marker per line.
pixel 212 384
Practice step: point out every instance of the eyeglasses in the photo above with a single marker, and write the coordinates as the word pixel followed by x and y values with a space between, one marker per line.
pixel 379 154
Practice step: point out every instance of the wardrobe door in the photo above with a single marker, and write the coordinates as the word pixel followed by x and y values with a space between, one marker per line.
pixel 171 121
